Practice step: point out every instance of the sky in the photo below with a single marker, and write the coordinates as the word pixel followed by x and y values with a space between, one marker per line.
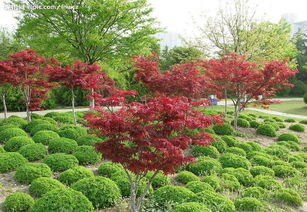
pixel 179 15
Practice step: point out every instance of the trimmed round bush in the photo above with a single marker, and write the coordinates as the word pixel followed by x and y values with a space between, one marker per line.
pixel 281 125
pixel 290 120
pixel 34 123
pixel 254 124
pixel 42 185
pixel 297 182
pixel 61 161
pixel 18 202
pixel 62 145
pixel 298 164
pixel 243 123
pixel 213 181
pixel 16 121
pixel 260 160
pixel 246 147
pixel 288 137
pixel 107 169
pixel 63 200
pixel 230 140
pixel 81 131
pixel 9 133
pixel 288 196
pixel 225 129
pixel 297 127
pixel 284 171
pixel 197 186
pixel 219 144
pixel 88 140
pixel 101 191
pixel 185 177
pixel 234 161
pixel 246 117
pixel 205 166
pixel 87 155
pixel 210 151
pixel 277 150
pixel 254 145
pixel 7 126
pixel 65 119
pixel 70 133
pixel 33 151
pixel 10 161
pixel 45 136
pixel 229 182
pixel 291 145
pixel 74 174
pixel 267 182
pixel 41 127
pixel 261 170
pixel 303 121
pixel 248 204
pixel 160 180
pixel 243 175
pixel 191 207
pixel 14 144
pixel 236 151
pixel 266 129
pixel 30 171
pixel 256 192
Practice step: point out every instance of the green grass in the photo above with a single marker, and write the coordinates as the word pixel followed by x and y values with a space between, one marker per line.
pixel 292 107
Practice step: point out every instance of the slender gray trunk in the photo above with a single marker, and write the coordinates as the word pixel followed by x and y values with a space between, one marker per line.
pixel 27 98
pixel 4 106
pixel 73 106
pixel 236 115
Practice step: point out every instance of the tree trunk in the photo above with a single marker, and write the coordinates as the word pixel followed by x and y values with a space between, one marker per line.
pixel 92 103
pixel 235 121
pixel 27 98
pixel 4 106
pixel 225 96
pixel 73 106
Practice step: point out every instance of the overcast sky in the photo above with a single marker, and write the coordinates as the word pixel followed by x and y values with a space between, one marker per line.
pixel 177 15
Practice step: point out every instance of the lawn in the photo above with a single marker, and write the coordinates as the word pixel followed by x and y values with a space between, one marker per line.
pixel 292 107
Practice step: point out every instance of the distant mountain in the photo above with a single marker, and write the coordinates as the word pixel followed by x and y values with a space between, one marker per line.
pixel 170 39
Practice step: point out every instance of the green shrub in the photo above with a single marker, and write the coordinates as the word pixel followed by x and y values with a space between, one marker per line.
pixel 288 137
pixel 210 151
pixel 298 164
pixel 9 133
pixel 260 160
pixel 160 179
pixel 70 133
pixel 4 127
pixel 297 183
pixel 254 146
pixel 288 196
pixel 234 161
pixel 266 129
pixel 254 123
pixel 60 161
pixel 74 174
pixel 101 191
pixel 219 144
pixel 18 202
pixel 244 176
pixel 205 166
pixel 107 169
pixel 63 200
pixel 213 181
pixel 246 117
pixel 214 201
pixel 14 144
pixel 2 149
pixel 10 161
pixel 261 170
pixel 87 155
pixel 65 119
pixel 281 162
pixel 81 131
pixel 303 121
pixel 236 151
pixel 275 125
pixel 225 129
pixel 197 186
pixel 41 127
pixel 45 136
pixel 191 207
pixel 243 123
pixel 248 204
pixel 33 151
pixel 229 182
pixel 16 121
pixel 267 182
pixel 277 150
pixel 291 145
pixel 256 192
pixel 62 145
pixel 281 125
pixel 88 140
pixel 230 140
pixel 185 177
pixel 42 185
pixel 284 171
pixel 297 127
pixel 290 120
pixel 34 123
pixel 246 147
pixel 30 171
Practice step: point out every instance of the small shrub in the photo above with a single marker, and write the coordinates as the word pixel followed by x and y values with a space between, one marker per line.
pixel 213 181
pixel 14 144
pixel 18 202
pixel 298 164
pixel 30 171
pixel 160 180
pixel 284 171
pixel 65 119
pixel 2 149
pixel 248 204
pixel 288 137
pixel 60 161
pixel 9 133
pixel 101 191
pixel 197 186
pixel 41 127
pixel 277 150
pixel 88 140
pixel 267 182
pixel 16 121
pixel 45 136
pixel 225 129
pixel 34 123
pixel 185 177
pixel 33 151
pixel 261 170
pixel 74 174
pixel 246 147
pixel 303 121
pixel 243 123
pixel 291 145
pixel 236 151
pixel 290 120
pixel 256 192
pixel 230 141
pixel 210 151
pixel 281 125
pixel 219 144
pixel 63 200
pixel 244 176
pixel 297 127
pixel 205 166
pixel 191 207
pixel 70 133
pixel 260 160
pixel 234 161
pixel 81 131
pixel 266 129
pixel 229 182
pixel 10 161
pixel 87 155
pixel 254 123
pixel 297 183
pixel 42 185
pixel 254 146
pixel 107 169
pixel 288 196
pixel 62 145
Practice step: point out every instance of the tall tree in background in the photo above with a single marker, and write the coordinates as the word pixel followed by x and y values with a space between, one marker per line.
pixel 301 58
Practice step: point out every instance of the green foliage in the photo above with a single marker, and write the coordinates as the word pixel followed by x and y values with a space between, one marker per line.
pixel 254 146
pixel 41 127
pixel 33 151
pixel 18 202
pixel 261 170
pixel 234 161
pixel 101 191
pixel 303 121
pixel 305 98
pixel 213 181
pixel 204 166
pixel 243 123
pixel 60 161
pixel 277 150
pixel 229 182
pixel 210 151
pixel 254 124
pixel 15 121
pixel 74 174
pixel 197 186
pixel 225 129
pixel 9 133
pixel 107 169
pixel 15 143
pixel 297 127
pixel 45 136
pixel 88 140
pixel 288 137
pixel 63 200
pixel 30 171
pixel 160 180
pixel 256 192
pixel 284 171
pixel 42 185
pixel 246 147
pixel 267 182
pixel 62 145
pixel 291 145
pixel 9 161
pixel 290 120
pixel 72 133
pixel 244 176
pixel 185 177
pixel 288 196
pixel 191 207
pixel 219 144
pixel 266 129
pixel 230 141
pixel 297 183
pixel 261 160
pixel 236 151
pixel 34 123
pixel 2 149
pixel 248 204
pixel 87 155
pixel 298 164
